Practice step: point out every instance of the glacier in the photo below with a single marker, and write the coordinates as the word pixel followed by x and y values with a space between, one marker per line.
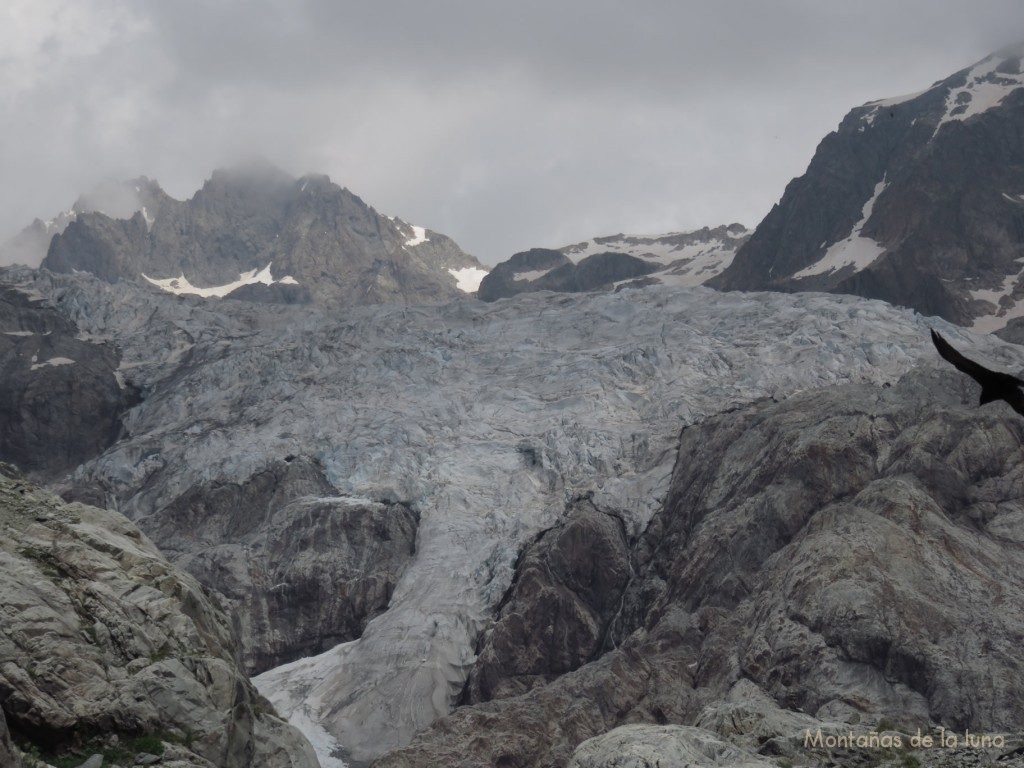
pixel 487 419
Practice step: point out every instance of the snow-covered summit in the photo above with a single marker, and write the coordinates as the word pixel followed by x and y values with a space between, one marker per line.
pixel 970 92
pixel 678 258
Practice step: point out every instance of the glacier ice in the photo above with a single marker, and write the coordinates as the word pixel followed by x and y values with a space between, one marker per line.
pixel 485 418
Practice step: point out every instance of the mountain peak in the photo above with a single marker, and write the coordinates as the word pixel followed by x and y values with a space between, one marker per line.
pixel 319 239
pixel 916 200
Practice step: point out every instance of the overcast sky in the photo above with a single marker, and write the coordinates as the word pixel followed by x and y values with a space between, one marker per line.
pixel 505 125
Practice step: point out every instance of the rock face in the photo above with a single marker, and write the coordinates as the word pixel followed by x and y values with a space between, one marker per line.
pixel 567 588
pixel 682 259
pixel 255 228
pixel 834 554
pixel 101 636
pixel 486 420
pixel 914 200
pixel 303 569
pixel 60 400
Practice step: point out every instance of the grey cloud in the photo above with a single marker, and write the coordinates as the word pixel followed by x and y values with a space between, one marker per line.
pixel 504 125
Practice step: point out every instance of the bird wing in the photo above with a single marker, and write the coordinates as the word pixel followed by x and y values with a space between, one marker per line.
pixel 976 371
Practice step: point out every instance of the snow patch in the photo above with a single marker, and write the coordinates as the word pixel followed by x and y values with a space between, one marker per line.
pixel 419 235
pixel 288 687
pixel 856 250
pixel 468 278
pixel 149 219
pixel 53 361
pixel 984 89
pixel 181 285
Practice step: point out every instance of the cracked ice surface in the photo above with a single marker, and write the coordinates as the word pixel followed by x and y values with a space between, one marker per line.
pixel 486 418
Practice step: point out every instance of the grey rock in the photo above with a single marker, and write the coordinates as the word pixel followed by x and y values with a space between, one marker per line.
pixel 60 399
pixel 599 271
pixel 302 568
pixel 9 754
pixel 145 758
pixel 94 761
pixel 100 634
pixel 566 589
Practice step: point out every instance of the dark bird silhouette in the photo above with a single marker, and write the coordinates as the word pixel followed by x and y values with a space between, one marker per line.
pixel 994 384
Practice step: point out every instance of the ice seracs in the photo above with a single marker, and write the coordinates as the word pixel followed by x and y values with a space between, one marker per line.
pixel 181 285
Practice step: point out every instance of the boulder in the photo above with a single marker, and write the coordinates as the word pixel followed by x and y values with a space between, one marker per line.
pixel 101 635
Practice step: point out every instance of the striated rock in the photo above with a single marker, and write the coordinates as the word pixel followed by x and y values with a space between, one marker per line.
pixel 302 568
pixel 100 635
pixel 60 399
pixel 661 746
pixel 256 233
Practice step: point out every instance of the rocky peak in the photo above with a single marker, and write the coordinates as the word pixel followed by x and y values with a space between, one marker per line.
pixel 255 224
pixel 916 200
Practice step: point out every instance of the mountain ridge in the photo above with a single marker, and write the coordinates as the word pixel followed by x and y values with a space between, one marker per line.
pixel 257 225
pixel 912 200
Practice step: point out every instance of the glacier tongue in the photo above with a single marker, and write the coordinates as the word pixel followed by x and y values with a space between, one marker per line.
pixel 485 418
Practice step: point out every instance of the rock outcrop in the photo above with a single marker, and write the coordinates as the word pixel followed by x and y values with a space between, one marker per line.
pixel 61 402
pixel 302 568
pixel 567 588
pixel 105 647
pixel 660 746
pixel 915 200
pixel 826 561
pixel 255 227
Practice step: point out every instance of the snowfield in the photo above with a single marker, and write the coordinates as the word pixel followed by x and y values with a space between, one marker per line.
pixel 485 418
